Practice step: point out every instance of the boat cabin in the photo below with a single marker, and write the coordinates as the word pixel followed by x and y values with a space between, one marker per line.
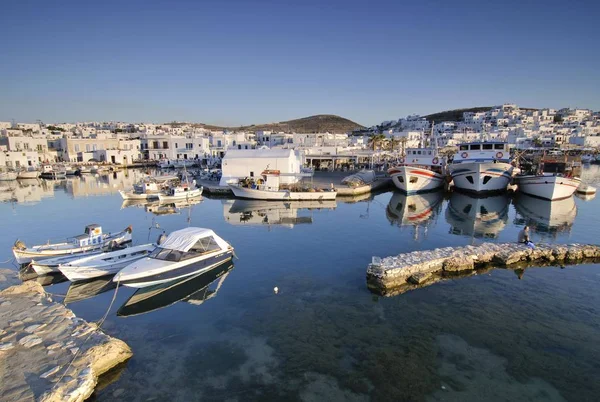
pixel 47 169
pixel 269 180
pixel 91 236
pixel 482 152
pixel 423 157
pixel 175 191
pixel 189 243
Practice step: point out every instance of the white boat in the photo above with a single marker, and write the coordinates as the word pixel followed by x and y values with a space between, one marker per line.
pixel 477 217
pixel 85 169
pixel 193 289
pixel 50 265
pixel 182 163
pixel 587 158
pixel 184 253
pixel 29 173
pixel 181 192
pixel 53 172
pixel 481 167
pixel 267 188
pixel 147 193
pixel 83 290
pixel 586 189
pixel 8 175
pixel 165 164
pixel 105 263
pixel 556 177
pixel 70 171
pixel 361 178
pixel 94 169
pixel 92 239
pixel 421 170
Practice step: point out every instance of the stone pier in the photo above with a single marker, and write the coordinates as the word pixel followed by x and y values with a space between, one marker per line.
pixel 39 338
pixel 390 275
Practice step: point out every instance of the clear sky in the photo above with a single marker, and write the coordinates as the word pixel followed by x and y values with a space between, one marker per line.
pixel 243 62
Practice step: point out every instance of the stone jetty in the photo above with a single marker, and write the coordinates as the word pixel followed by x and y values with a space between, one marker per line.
pixel 387 275
pixel 46 352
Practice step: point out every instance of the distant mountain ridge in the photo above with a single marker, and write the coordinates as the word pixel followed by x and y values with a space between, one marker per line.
pixel 312 124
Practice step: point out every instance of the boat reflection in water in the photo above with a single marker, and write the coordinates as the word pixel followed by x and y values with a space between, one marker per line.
pixel 477 217
pixel 286 213
pixel 161 208
pixel 415 210
pixel 82 290
pixel 546 216
pixel 194 290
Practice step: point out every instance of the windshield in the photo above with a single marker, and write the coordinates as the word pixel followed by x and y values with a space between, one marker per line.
pixel 166 254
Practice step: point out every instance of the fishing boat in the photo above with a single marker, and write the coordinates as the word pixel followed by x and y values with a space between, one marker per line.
pixel 194 289
pixel 53 172
pixel 144 191
pixel 105 263
pixel 185 252
pixel 267 187
pixel 481 167
pixel 92 239
pixel 555 176
pixel 29 173
pixel 184 191
pixel 420 170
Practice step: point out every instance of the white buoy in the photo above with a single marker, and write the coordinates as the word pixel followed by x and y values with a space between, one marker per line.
pixel 275 290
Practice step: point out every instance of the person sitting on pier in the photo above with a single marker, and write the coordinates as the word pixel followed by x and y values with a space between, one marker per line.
pixel 524 237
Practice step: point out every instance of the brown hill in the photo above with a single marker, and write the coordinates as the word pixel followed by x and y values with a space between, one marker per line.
pixel 312 124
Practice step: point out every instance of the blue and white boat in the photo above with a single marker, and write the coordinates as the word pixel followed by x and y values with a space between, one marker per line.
pixel 482 167
pixel 185 252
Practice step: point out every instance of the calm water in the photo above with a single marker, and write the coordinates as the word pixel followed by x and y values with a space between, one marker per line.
pixel 491 336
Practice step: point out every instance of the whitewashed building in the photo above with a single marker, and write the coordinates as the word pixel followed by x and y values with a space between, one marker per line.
pixel 250 163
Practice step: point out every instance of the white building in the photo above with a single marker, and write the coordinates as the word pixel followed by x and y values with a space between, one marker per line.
pixel 250 163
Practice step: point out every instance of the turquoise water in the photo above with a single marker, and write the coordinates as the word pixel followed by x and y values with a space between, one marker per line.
pixel 490 336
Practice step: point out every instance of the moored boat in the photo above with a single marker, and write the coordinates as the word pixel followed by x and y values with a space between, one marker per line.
pixel 92 239
pixel 181 192
pixel 29 173
pixel 8 175
pixel 267 188
pixel 554 177
pixel 50 265
pixel 53 172
pixel 93 266
pixel 481 167
pixel 420 170
pixel 185 252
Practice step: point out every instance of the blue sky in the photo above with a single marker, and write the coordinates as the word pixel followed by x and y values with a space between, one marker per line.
pixel 243 62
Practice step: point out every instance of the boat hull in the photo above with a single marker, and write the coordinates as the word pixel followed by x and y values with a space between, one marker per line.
pixel 138 196
pixel 481 177
pixel 195 193
pixel 410 179
pixel 47 251
pixel 28 175
pixel 548 187
pixel 8 176
pixel 53 175
pixel 140 280
pixel 281 195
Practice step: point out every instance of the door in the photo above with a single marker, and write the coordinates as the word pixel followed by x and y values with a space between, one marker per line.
pixel 112 159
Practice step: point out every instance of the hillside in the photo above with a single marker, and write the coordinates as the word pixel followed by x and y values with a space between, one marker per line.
pixel 312 124
pixel 457 114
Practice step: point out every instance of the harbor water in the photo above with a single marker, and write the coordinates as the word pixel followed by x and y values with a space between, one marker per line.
pixel 321 335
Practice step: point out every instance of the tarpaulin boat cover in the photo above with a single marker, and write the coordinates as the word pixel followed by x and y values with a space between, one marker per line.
pixel 185 239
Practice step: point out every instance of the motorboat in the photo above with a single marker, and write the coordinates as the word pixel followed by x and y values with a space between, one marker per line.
pixel 481 167
pixel 53 172
pixel 184 253
pixel 477 217
pixel 50 265
pixel 29 173
pixel 92 239
pixel 182 192
pixel 83 290
pixel 8 175
pixel 194 289
pixel 105 263
pixel 420 170
pixel 267 187
pixel 553 177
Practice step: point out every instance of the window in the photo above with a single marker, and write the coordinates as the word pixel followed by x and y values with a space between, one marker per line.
pixel 189 146
pixel 165 144
pixel 94 147
pixel 470 179
pixel 419 152
pixel 219 143
pixel 486 179
pixel 176 145
pixel 76 147
pixel 488 146
pixel 251 174
pixel 475 147
pixel 464 147
pixel 498 146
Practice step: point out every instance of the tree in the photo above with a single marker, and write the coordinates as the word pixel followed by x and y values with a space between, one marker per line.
pixel 558 118
pixel 376 140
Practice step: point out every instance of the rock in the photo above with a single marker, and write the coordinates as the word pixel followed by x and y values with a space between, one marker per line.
pixel 419 277
pixel 50 372
pixel 458 263
pixel 6 346
pixel 30 340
